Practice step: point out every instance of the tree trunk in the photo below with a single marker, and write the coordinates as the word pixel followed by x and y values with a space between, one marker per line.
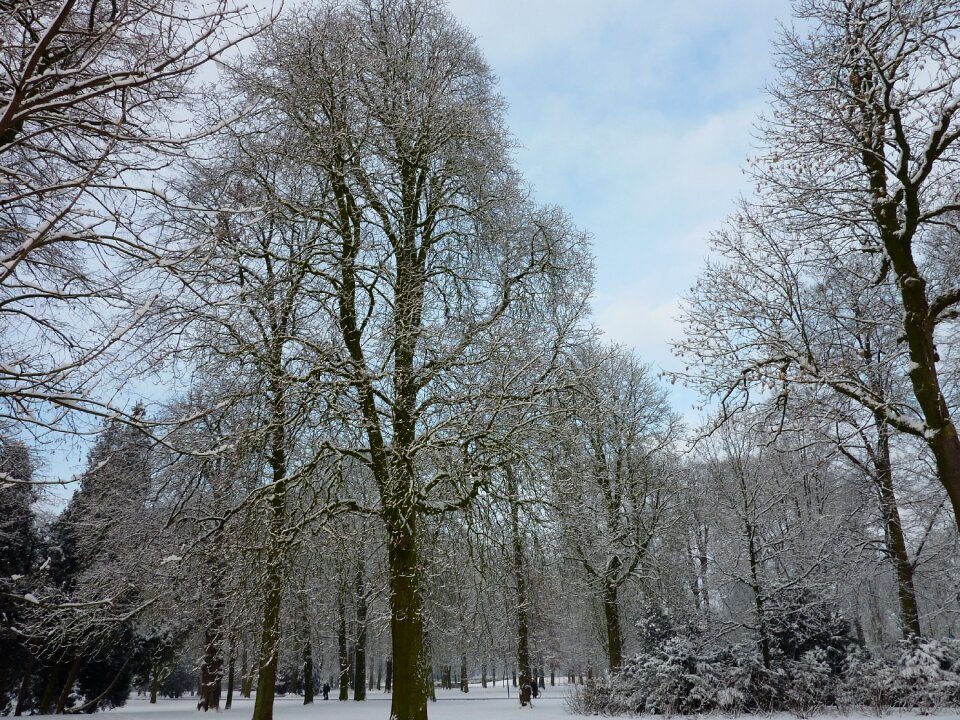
pixel 409 700
pixel 308 690
pixel 464 680
pixel 523 642
pixel 343 654
pixel 898 222
pixel 246 677
pixel 611 614
pixel 231 677
pixel 211 672
pixel 483 674
pixel 763 637
pixel 270 637
pixel 896 542
pixel 388 676
pixel 49 689
pixel 24 693
pixel 360 652
pixel 154 684
pixel 379 674
pixel 68 685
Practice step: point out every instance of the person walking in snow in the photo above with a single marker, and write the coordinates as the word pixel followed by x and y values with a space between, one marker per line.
pixel 326 691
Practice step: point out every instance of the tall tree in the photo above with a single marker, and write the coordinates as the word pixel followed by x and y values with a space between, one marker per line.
pixel 862 147
pixel 618 442
pixel 440 260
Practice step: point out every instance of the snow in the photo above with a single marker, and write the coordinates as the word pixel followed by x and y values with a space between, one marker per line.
pixel 478 704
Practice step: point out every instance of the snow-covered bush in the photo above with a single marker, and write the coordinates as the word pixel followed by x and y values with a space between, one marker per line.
pixel 929 671
pixel 869 681
pixel 808 683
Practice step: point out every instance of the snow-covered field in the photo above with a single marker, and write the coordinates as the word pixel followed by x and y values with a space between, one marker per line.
pixel 478 704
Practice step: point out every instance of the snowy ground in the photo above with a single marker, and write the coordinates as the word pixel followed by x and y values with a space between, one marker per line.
pixel 480 704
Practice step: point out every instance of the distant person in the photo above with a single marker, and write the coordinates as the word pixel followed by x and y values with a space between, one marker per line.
pixel 326 691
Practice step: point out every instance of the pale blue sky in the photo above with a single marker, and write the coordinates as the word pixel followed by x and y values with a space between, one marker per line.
pixel 636 117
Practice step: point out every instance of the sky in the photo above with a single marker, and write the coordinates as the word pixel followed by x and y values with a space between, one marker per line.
pixel 636 117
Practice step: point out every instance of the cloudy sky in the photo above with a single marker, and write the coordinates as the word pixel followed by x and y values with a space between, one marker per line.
pixel 636 117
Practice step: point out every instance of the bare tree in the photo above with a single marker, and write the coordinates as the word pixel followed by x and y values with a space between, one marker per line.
pixel 440 263
pixel 618 474
pixel 862 148
pixel 91 97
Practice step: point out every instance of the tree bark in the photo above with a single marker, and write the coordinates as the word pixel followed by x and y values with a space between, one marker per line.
pixel 896 541
pixel 523 633
pixel 154 684
pixel 897 216
pixel 24 693
pixel 68 685
pixel 231 677
pixel 211 672
pixel 343 654
pixel 611 615
pixel 308 690
pixel 360 652
pixel 49 689
pixel 763 637
pixel 246 677
pixel 409 700
pixel 273 581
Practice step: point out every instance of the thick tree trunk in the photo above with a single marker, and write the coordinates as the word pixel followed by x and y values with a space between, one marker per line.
pixel 308 690
pixel 360 651
pixel 919 331
pixel 269 644
pixel 611 615
pixel 211 672
pixel 409 700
